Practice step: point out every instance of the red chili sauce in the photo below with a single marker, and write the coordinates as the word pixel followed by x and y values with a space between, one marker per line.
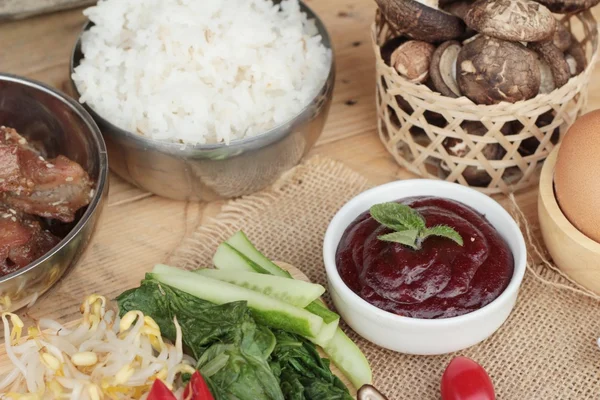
pixel 442 279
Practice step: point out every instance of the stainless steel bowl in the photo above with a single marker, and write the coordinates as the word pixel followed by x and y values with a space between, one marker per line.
pixel 62 126
pixel 209 172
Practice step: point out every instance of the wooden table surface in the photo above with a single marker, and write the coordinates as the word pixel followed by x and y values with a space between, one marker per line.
pixel 138 229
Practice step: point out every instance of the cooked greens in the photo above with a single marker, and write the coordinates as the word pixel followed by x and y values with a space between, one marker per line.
pixel 302 373
pixel 239 358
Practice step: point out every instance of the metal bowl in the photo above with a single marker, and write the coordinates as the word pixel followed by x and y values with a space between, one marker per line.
pixel 210 172
pixel 62 126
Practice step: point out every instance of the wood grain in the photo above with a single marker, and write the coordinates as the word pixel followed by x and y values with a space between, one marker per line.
pixel 19 9
pixel 138 229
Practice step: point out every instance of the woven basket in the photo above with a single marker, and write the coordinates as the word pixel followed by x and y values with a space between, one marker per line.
pixel 414 122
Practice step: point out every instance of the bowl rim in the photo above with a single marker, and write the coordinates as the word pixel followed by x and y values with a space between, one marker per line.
pixel 548 198
pixel 101 182
pixel 272 133
pixel 330 248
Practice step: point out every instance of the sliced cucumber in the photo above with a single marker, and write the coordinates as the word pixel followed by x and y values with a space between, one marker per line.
pixel 342 351
pixel 320 309
pixel 241 243
pixel 228 258
pixel 291 291
pixel 330 322
pixel 265 309
pixel 346 355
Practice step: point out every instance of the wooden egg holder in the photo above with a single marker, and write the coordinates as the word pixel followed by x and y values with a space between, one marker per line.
pixel 574 253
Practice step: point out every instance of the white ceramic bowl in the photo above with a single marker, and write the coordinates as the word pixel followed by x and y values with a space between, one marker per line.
pixel 413 335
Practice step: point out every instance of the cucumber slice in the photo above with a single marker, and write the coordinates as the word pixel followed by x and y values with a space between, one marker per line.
pixel 330 322
pixel 318 308
pixel 346 355
pixel 291 291
pixel 241 243
pixel 228 258
pixel 266 310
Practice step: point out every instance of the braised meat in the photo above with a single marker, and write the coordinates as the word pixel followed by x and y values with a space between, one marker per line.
pixel 22 240
pixel 54 188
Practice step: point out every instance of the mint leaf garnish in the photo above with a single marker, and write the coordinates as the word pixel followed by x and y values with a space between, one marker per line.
pixel 408 237
pixel 397 216
pixel 409 225
pixel 443 231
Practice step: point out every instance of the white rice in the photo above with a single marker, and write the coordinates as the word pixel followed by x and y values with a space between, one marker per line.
pixel 200 71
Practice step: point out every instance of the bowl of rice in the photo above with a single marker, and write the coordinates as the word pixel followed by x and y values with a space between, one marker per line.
pixel 204 100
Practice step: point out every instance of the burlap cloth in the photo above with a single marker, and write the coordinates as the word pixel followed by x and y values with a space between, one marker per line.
pixel 546 350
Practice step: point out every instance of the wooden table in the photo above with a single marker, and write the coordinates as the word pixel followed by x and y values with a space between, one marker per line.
pixel 139 229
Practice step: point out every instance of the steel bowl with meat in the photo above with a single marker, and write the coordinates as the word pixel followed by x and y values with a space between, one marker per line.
pixel 53 171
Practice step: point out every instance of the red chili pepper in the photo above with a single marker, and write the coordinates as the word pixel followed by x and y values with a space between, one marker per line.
pixel 464 379
pixel 160 391
pixel 197 389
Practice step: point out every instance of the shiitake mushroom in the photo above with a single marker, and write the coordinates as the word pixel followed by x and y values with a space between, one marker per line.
pixel 420 21
pixel 368 392
pixel 412 59
pixel 476 176
pixel 512 20
pixel 530 145
pixel 562 37
pixel 554 58
pixel 576 59
pixel 491 70
pixel 442 69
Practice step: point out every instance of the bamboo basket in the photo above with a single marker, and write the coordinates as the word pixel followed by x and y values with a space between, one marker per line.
pixel 414 122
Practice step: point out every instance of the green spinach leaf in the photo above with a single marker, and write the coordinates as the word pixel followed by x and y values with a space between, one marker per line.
pixel 231 349
pixel 302 373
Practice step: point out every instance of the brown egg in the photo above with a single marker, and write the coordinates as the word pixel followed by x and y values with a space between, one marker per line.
pixel 577 175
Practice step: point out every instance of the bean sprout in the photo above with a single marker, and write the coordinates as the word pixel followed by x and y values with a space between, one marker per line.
pixel 103 357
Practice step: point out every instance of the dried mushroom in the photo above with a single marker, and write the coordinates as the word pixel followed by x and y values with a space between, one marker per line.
pixel 555 60
pixel 530 145
pixel 576 59
pixel 491 70
pixel 562 37
pixel 476 176
pixel 443 69
pixel 546 78
pixel 568 6
pixel 411 60
pixel 459 8
pixel 388 48
pixel 368 392
pixel 421 20
pixel 514 20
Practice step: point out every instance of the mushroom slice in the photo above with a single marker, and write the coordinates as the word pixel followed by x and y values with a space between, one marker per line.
pixel 568 6
pixel 562 37
pixel 420 21
pixel 368 392
pixel 576 59
pixel 412 59
pixel 443 69
pixel 491 70
pixel 514 20
pixel 555 60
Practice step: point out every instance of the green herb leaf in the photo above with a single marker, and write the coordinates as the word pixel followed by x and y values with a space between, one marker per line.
pixel 397 216
pixel 408 225
pixel 443 231
pixel 407 237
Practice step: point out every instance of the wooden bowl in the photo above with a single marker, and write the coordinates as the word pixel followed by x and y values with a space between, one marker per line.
pixel 574 253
